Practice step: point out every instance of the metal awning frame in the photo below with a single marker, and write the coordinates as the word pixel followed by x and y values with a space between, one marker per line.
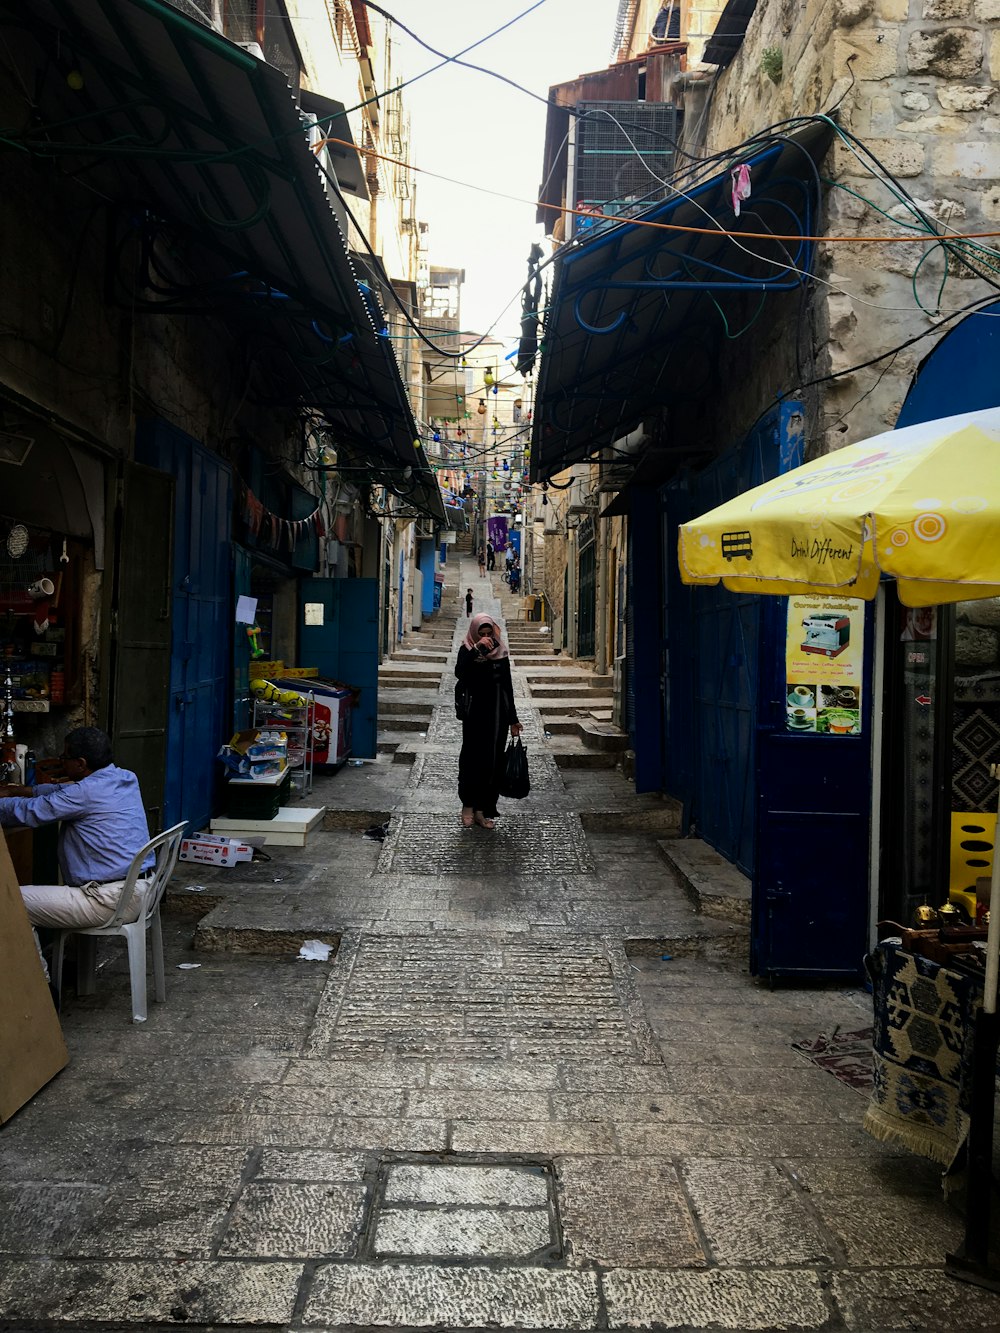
pixel 254 196
pixel 623 303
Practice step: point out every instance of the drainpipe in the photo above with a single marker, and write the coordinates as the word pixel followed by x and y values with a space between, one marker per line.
pixel 601 599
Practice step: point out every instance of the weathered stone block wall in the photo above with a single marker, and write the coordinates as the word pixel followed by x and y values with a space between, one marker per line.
pixel 916 81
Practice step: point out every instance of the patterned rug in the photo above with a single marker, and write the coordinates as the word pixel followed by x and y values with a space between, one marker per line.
pixel 924 1021
pixel 845 1055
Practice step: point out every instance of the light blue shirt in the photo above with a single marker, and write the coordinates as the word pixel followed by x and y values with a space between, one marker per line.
pixel 103 823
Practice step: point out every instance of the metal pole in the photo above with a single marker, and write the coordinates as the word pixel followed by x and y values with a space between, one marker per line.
pixel 971 1263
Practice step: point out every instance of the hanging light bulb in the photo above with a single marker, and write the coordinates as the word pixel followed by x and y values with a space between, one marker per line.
pixel 487 377
pixel 437 437
pixel 545 499
pixel 482 407
pixel 496 388
pixel 506 466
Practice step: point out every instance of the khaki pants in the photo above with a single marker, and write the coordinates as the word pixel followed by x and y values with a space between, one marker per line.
pixel 60 907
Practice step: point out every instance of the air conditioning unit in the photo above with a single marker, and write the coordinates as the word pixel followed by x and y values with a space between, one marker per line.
pixel 624 151
pixel 252 49
pixel 579 496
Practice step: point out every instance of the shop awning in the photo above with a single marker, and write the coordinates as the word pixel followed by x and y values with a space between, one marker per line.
pixel 457 516
pixel 633 308
pixel 162 113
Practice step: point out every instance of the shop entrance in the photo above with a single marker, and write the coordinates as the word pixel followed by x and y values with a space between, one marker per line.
pixel 140 643
pixel 586 602
pixel 200 605
pixel 942 670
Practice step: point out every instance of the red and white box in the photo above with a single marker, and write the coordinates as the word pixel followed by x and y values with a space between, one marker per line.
pixel 212 850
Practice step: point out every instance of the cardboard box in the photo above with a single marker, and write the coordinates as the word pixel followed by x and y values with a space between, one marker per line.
pixel 32 1049
pixel 211 850
pixel 300 673
pixel 265 669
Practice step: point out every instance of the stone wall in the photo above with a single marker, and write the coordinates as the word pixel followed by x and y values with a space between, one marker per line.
pixel 916 81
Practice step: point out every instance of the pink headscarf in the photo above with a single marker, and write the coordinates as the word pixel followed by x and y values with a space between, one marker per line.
pixel 474 632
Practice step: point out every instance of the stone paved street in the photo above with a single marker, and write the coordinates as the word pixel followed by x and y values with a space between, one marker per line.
pixel 532 1088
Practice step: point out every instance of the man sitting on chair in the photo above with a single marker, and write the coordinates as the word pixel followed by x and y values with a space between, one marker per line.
pixel 102 826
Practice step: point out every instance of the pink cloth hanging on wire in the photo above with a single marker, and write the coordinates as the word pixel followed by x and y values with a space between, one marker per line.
pixel 741 185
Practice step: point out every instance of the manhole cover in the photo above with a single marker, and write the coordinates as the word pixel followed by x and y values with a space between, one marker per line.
pixel 469 1207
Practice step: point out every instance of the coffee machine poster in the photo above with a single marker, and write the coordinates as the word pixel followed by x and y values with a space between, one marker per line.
pixel 824 665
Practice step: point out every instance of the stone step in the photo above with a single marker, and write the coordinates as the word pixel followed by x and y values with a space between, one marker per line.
pixel 714 884
pixel 595 733
pixel 403 722
pixel 559 690
pixel 393 702
pixel 570 705
pixel 572 752
pixel 395 679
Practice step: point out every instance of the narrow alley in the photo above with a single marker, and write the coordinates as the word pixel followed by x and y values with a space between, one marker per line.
pixel 533 1087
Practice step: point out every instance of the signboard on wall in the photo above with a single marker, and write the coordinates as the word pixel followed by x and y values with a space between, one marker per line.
pixel 824 664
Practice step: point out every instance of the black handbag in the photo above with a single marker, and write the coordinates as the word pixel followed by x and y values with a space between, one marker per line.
pixel 463 699
pixel 514 781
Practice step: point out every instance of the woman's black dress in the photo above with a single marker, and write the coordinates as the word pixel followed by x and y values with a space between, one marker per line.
pixel 484 731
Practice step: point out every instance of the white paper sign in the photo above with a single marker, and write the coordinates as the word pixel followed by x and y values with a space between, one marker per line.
pixel 246 610
pixel 314 613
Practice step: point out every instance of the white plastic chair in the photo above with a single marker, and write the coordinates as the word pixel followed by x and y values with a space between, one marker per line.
pixel 165 847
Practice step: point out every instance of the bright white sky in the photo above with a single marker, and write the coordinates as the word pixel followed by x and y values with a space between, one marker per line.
pixel 472 127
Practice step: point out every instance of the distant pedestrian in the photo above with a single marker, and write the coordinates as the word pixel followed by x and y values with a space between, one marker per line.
pixel 491 556
pixel 468 603
pixel 484 664
pixel 482 561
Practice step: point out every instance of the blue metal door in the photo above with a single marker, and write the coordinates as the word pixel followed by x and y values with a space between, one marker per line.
pixel 201 637
pixel 645 640
pixel 810 887
pixel 340 636
pixel 711 676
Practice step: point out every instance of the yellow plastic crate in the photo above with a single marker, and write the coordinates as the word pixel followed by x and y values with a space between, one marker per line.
pixel 973 835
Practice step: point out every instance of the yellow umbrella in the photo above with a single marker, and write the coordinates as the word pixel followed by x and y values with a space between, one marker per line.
pixel 921 505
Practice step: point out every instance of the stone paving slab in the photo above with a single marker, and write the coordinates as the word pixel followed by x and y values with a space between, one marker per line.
pixel 627 1212
pixel 421 1296
pixel 741 1301
pixel 472 993
pixel 225 1292
pixel 890 1299
pixel 462 1233
pixel 295 1220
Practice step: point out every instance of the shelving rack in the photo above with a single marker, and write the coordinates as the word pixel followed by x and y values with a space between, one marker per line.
pixel 295 720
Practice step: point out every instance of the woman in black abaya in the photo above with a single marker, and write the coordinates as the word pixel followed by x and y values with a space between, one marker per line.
pixel 484 665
